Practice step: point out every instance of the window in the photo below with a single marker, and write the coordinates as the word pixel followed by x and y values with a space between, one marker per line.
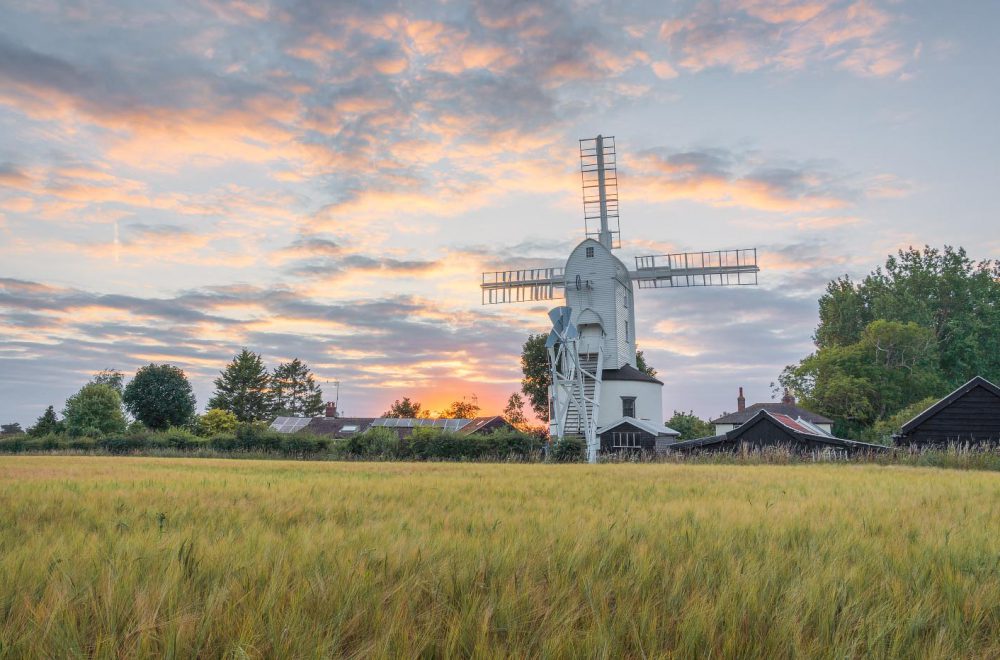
pixel 626 440
pixel 349 428
pixel 590 252
pixel 628 406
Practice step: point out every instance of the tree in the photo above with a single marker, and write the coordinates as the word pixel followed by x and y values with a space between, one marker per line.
pixel 917 327
pixel 160 396
pixel 294 390
pixel 48 423
pixel 242 388
pixel 640 364
pixel 462 409
pixel 96 408
pixel 112 378
pixel 537 378
pixel 690 426
pixel 514 411
pixel 216 422
pixel 14 428
pixel 405 409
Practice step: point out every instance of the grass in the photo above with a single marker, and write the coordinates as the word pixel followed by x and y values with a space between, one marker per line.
pixel 182 557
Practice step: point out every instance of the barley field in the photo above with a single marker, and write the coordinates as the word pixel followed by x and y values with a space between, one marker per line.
pixel 113 557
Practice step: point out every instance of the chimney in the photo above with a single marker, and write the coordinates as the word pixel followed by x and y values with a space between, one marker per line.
pixel 331 409
pixel 741 403
pixel 788 398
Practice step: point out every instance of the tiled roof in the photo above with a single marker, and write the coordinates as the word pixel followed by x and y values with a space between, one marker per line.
pixel 788 409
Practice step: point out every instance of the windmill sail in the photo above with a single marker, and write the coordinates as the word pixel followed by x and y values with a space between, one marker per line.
pixel 718 268
pixel 599 174
pixel 523 285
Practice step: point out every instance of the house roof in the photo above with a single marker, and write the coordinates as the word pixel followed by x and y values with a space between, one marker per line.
pixel 479 423
pixel 800 430
pixel 337 426
pixel 978 381
pixel 643 424
pixel 788 409
pixel 628 372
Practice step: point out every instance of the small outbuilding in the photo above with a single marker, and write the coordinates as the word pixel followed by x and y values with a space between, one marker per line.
pixel 969 415
pixel 628 434
pixel 769 429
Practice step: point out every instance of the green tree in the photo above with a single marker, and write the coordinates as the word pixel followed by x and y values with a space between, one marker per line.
pixel 160 396
pixel 514 411
pixel 405 409
pixel 462 409
pixel 216 422
pixel 112 378
pixel 690 425
pixel 640 364
pixel 14 428
pixel 48 423
pixel 883 430
pixel 536 376
pixel 96 408
pixel 243 388
pixel 294 390
pixel 919 326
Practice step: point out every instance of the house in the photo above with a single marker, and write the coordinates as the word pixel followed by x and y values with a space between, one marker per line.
pixel 970 414
pixel 786 407
pixel 332 426
pixel 771 429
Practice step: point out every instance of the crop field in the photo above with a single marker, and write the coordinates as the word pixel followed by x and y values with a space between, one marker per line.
pixel 103 556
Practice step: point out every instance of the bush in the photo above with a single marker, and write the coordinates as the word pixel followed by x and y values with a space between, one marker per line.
pixel 569 450
pixel 376 442
pixel 215 422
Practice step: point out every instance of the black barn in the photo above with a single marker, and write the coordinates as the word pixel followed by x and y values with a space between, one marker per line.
pixel 969 415
pixel 766 429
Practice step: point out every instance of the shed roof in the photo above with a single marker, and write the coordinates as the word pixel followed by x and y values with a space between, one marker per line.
pixel 643 424
pixel 800 432
pixel 977 382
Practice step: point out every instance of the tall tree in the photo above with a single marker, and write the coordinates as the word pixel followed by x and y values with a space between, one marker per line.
pixel 96 408
pixel 14 428
pixel 294 390
pixel 513 412
pixel 112 378
pixel 462 409
pixel 242 388
pixel 919 326
pixel 160 396
pixel 640 364
pixel 405 409
pixel 690 426
pixel 47 423
pixel 537 378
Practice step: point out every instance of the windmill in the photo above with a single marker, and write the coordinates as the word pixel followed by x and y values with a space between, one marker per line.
pixel 592 344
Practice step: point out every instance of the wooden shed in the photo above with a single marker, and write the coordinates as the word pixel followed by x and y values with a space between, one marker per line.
pixel 767 429
pixel 969 415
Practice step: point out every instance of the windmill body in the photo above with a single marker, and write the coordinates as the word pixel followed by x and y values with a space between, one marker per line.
pixel 597 393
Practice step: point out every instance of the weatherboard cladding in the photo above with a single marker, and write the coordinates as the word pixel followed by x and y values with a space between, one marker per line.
pixel 768 430
pixel 970 414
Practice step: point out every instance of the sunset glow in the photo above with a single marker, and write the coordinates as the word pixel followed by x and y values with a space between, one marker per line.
pixel 328 180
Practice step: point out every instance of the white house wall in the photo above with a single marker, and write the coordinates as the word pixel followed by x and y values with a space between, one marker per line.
pixel 648 401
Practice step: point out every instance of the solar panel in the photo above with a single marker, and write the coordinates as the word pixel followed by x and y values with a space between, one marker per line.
pixel 289 424
pixel 410 422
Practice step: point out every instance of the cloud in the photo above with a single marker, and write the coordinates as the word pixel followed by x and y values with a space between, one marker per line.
pixel 749 35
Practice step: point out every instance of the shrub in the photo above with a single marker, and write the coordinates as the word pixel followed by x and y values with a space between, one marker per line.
pixel 215 422
pixel 376 442
pixel 568 450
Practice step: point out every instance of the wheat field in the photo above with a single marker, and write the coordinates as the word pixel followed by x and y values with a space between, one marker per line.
pixel 113 557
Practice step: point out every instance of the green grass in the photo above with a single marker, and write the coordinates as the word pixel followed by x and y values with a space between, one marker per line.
pixel 182 557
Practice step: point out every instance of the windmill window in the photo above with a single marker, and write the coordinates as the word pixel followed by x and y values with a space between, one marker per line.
pixel 590 252
pixel 628 406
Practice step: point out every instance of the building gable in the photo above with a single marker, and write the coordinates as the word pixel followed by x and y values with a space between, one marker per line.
pixel 969 414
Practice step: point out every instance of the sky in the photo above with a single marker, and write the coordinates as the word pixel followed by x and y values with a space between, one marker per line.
pixel 327 180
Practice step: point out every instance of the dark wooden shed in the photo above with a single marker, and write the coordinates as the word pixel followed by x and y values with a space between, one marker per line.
pixel 969 415
pixel 766 429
